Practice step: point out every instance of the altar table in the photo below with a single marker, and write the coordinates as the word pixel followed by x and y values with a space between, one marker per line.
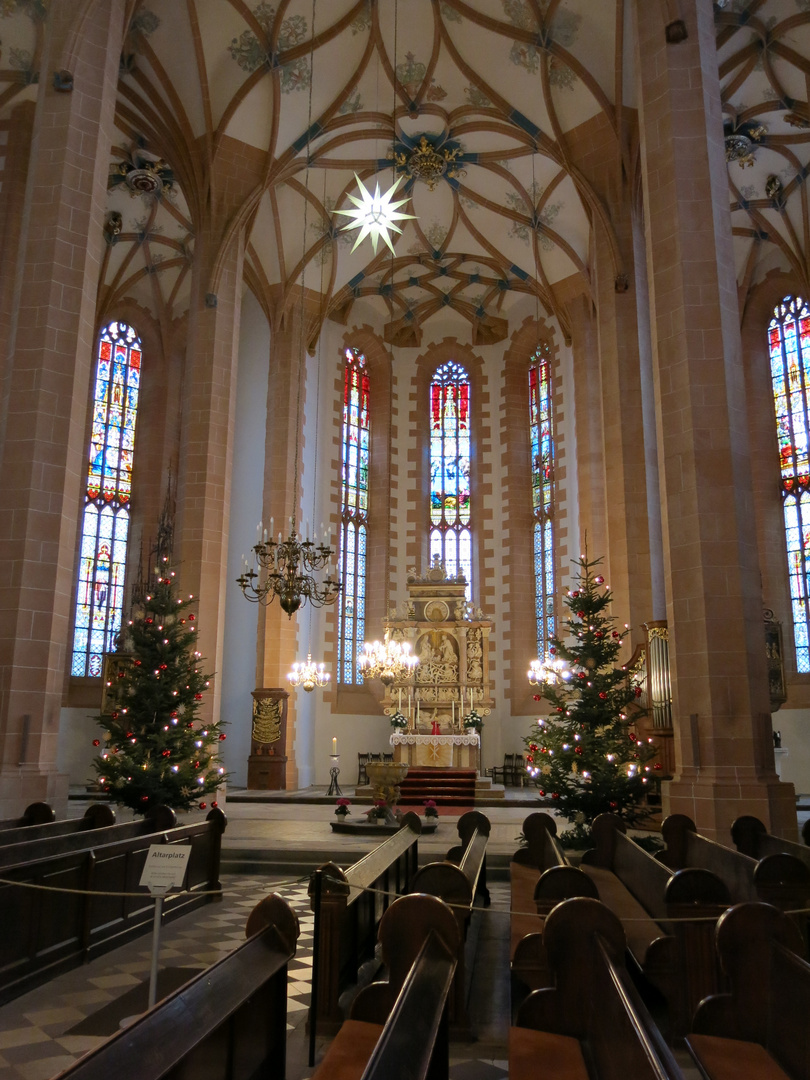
pixel 437 751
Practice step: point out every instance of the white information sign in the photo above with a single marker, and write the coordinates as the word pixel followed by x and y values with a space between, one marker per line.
pixel 165 867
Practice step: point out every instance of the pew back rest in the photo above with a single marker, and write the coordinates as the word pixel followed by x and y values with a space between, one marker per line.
pixel 222 1023
pixel 752 838
pixel 769 1000
pixel 36 813
pixel 96 816
pixel 594 998
pixel 542 849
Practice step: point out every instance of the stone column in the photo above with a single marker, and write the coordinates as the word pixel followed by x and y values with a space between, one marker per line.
pixel 12 206
pixel 206 448
pixel 626 544
pixel 591 492
pixel 724 753
pixel 51 355
pixel 286 396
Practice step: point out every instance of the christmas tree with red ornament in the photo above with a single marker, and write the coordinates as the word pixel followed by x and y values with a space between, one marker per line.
pixel 587 755
pixel 155 749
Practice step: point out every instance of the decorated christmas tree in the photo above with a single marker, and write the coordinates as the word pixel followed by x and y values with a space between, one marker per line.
pixel 587 755
pixel 155 749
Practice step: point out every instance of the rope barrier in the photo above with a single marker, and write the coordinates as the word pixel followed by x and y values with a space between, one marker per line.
pixel 275 886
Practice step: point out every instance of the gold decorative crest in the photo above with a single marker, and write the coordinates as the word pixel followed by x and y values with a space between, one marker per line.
pixel 266 721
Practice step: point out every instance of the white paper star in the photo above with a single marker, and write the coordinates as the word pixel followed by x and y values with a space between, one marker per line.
pixel 375 213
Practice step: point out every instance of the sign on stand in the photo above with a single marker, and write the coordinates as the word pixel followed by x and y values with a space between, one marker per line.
pixel 165 868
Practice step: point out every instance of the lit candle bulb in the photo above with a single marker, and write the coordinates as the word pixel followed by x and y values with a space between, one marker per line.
pixel 334 747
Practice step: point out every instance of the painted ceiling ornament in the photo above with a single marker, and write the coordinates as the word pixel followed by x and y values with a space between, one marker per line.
pixel 428 161
pixel 741 142
pixel 142 175
pixel 375 214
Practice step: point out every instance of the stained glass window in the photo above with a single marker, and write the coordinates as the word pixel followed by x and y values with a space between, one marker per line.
pixel 354 516
pixel 450 535
pixel 105 521
pixel 789 346
pixel 542 450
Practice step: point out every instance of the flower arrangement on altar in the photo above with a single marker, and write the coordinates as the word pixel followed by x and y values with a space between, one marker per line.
pixel 473 721
pixel 431 809
pixel 342 807
pixel 399 721
pixel 378 811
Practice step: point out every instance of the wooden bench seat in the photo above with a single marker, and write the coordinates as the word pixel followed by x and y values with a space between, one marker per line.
pixel 559 1056
pixel 593 1013
pixel 668 917
pixel 540 876
pixel 399 1027
pixel 758 1030
pixel 733 1059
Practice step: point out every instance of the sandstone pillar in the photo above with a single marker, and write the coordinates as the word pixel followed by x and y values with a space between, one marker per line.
pixel 724 755
pixel 48 378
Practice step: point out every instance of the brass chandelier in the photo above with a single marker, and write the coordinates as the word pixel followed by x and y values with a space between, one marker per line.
pixel 289 569
pixel 308 674
pixel 427 162
pixel 387 660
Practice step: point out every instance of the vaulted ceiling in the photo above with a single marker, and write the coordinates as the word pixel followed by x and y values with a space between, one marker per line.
pixel 263 113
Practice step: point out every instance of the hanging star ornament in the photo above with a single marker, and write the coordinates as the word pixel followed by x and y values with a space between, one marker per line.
pixel 375 214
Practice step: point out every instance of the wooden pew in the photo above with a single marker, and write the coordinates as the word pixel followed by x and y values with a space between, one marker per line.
pixel 593 1013
pixel 96 816
pixel 50 845
pixel 758 1031
pixel 677 957
pixel 347 917
pixel 399 1028
pixel 540 877
pixel 36 813
pixel 750 836
pixel 780 879
pixel 467 825
pixel 229 1022
pixel 56 930
pixel 457 885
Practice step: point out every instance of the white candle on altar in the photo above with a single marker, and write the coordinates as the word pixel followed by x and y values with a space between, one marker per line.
pixel 399 707
pixel 417 710
pixel 453 712
pixel 334 747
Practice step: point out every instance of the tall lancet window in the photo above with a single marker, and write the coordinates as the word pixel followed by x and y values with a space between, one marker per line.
pixel 105 520
pixel 789 342
pixel 450 536
pixel 542 449
pixel 354 516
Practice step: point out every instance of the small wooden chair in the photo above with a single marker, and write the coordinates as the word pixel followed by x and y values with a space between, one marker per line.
pixel 362 775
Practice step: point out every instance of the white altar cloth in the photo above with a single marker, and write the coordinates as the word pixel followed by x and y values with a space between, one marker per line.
pixel 436 751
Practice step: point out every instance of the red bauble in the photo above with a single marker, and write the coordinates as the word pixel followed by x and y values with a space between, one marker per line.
pixel 215 804
pixel 542 794
pixel 574 595
pixel 190 723
pixel 114 715
pixel 166 753
pixel 613 805
pixel 555 795
pixel 202 805
pixel 162 667
pixel 553 651
pixel 560 708
pixel 658 765
pixel 582 675
pixel 144 798
pixel 577 749
pixel 638 691
pixel 580 614
pixel 599 634
pixel 602 695
pixel 96 742
pixel 128 735
pixel 196 764
pixel 149 621
pixel 631 736
pixel 198 697
pixel 191 618
pixel 120 674
pixel 222 736
pixel 599 579
pixel 137 663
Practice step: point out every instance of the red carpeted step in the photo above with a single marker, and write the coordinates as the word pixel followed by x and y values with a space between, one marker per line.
pixel 447 787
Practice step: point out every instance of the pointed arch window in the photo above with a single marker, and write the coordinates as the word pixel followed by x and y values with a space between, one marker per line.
pixel 106 514
pixel 354 516
pixel 789 346
pixel 450 532
pixel 542 453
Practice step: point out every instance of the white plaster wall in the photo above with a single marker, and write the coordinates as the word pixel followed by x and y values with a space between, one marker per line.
pixel 355 734
pixel 77 729
pixel 794 725
pixel 238 675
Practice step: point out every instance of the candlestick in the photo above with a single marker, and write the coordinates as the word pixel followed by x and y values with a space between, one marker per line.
pixel 334 747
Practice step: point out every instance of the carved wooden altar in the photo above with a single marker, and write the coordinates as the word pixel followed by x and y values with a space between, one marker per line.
pixel 267 764
pixel 451 638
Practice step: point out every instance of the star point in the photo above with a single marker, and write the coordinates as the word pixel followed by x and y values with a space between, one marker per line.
pixel 376 214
